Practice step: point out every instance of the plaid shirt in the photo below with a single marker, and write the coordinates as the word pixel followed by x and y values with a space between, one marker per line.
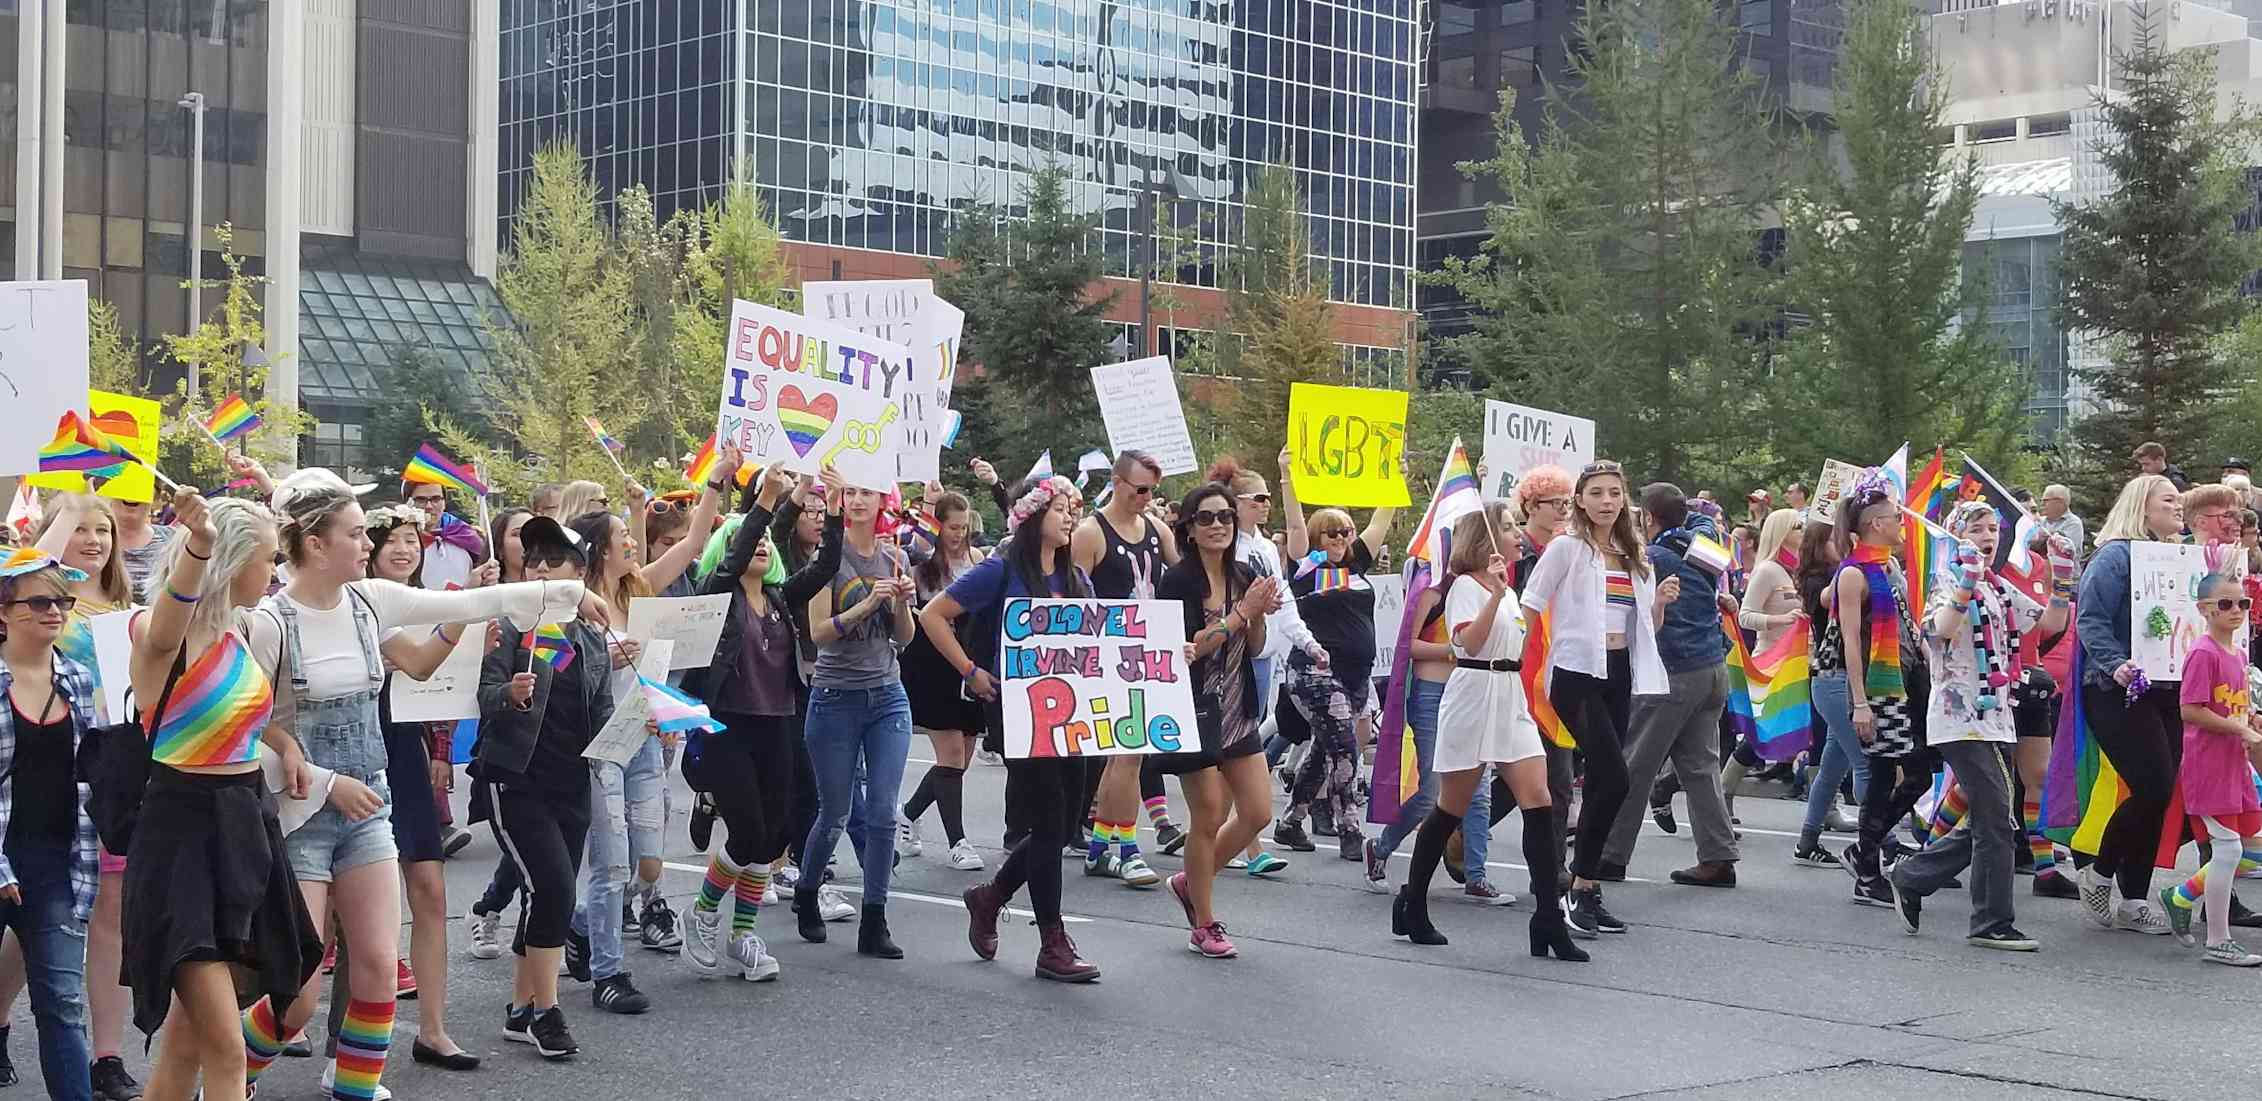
pixel 75 684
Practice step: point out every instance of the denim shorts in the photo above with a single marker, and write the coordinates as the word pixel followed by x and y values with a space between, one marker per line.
pixel 328 844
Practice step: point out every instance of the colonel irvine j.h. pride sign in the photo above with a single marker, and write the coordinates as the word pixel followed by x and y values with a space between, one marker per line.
pixel 1095 678
pixel 806 393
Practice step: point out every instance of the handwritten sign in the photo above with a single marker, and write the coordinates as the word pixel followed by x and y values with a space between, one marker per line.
pixel 1095 678
pixel 1139 404
pixel 692 626
pixel 1830 487
pixel 42 365
pixel 1519 437
pixel 906 312
pixel 805 393
pixel 130 420
pixel 885 308
pixel 1389 608
pixel 625 732
pixel 451 692
pixel 1347 443
pixel 2163 592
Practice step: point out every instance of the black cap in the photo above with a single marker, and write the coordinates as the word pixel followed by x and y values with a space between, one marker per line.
pixel 2236 463
pixel 544 539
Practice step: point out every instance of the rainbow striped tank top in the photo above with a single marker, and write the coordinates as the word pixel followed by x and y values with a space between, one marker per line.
pixel 216 712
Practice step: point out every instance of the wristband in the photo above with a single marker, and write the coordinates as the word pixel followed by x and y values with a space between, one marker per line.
pixel 178 597
pixel 968 675
pixel 191 552
pixel 716 487
pixel 838 630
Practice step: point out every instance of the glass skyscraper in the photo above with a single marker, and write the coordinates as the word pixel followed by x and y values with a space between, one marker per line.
pixel 869 123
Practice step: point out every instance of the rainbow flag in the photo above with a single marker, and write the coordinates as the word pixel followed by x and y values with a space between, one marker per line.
pixel 233 420
pixel 1538 650
pixel 549 642
pixel 1776 682
pixel 604 439
pixel 430 467
pixel 2081 790
pixel 702 468
pixel 83 448
pixel 1928 494
pixel 1457 495
pixel 674 711
pixel 1397 771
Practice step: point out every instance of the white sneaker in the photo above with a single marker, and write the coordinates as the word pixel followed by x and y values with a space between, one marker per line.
pixel 964 858
pixel 748 951
pixel 484 945
pixel 834 906
pixel 2136 916
pixel 705 939
pixel 787 878
pixel 771 895
pixel 907 840
pixel 2097 896
pixel 330 1082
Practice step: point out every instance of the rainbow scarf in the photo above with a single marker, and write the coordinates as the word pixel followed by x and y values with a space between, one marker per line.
pixel 549 642
pixel 1883 678
pixel 216 711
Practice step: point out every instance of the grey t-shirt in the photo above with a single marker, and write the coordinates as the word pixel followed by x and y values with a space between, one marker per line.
pixel 864 655
pixel 142 563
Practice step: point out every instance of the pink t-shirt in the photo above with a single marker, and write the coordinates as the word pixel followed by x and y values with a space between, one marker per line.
pixel 2216 778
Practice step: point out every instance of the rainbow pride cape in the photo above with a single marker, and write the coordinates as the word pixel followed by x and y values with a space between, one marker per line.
pixel 1768 692
pixel 233 420
pixel 430 467
pixel 1539 648
pixel 82 448
pixel 2081 790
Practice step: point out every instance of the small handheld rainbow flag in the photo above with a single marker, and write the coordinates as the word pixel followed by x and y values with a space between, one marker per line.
pixel 84 449
pixel 604 439
pixel 233 420
pixel 1457 495
pixel 702 468
pixel 549 642
pixel 429 467
pixel 673 711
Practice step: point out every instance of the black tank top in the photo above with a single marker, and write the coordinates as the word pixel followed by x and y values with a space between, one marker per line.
pixel 1128 570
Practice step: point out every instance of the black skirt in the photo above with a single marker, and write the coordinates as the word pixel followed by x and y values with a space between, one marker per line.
pixel 207 879
pixel 938 698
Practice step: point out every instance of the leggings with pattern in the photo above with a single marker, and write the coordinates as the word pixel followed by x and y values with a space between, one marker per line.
pixel 1331 770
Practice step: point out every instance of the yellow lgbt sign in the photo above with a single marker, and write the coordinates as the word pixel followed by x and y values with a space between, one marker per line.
pixel 1346 444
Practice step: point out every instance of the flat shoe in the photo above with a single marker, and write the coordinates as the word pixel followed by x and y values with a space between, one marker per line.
pixel 458 1060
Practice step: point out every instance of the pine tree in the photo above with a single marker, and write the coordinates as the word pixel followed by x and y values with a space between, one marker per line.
pixel 2154 266
pixel 1280 326
pixel 1874 254
pixel 113 359
pixel 1622 278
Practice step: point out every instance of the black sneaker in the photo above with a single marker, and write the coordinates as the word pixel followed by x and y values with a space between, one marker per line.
pixel 615 994
pixel 1578 910
pixel 517 1020
pixel 1873 892
pixel 658 925
pixel 2005 939
pixel 702 820
pixel 2243 918
pixel 455 841
pixel 1603 919
pixel 110 1080
pixel 1906 905
pixel 299 1048
pixel 1169 839
pixel 1351 845
pixel 1814 856
pixel 1662 814
pixel 551 1039
pixel 1291 836
pixel 2052 883
pixel 8 1076
pixel 577 956
pixel 630 927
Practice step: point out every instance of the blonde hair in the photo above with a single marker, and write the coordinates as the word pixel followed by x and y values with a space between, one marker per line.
pixel 1776 531
pixel 1330 519
pixel 1473 545
pixel 2126 518
pixel 111 580
pixel 577 499
pixel 237 525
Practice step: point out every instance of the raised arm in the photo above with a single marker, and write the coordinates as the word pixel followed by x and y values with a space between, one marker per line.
pixel 1299 540
pixel 663 570
pixel 166 626
pixel 1378 529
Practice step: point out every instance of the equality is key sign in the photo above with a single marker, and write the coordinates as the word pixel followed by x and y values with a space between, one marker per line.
pixel 1095 678
pixel 805 393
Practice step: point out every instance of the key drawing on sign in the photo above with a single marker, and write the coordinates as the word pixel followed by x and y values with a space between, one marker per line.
pixel 862 435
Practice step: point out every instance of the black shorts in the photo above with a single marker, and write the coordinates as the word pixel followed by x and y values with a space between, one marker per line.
pixel 408 772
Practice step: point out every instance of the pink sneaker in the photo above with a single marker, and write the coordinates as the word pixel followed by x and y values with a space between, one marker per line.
pixel 1209 940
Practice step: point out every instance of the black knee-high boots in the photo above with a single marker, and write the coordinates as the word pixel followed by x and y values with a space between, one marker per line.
pixel 1543 854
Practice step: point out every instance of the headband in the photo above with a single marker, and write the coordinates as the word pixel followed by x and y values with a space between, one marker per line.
pixel 1039 498
pixel 1872 482
pixel 393 516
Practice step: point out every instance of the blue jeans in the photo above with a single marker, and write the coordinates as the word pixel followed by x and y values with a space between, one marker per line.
pixel 1841 750
pixel 1421 716
pixel 54 943
pixel 625 817
pixel 1476 827
pixel 848 726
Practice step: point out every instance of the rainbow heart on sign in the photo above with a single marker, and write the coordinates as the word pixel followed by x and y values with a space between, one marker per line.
pixel 805 420
pixel 117 424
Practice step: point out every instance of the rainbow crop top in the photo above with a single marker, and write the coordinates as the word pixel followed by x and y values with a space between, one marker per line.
pixel 216 712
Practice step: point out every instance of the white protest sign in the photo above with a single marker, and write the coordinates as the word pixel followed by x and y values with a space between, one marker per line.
pixel 1836 480
pixel 452 691
pixel 625 732
pixel 113 659
pixel 1519 437
pixel 1095 678
pixel 906 312
pixel 2164 621
pixel 1389 608
pixel 42 365
pixel 1139 403
pixel 884 308
pixel 805 393
pixel 691 625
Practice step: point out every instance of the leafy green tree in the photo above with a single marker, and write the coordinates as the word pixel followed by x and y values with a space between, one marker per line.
pixel 1874 255
pixel 734 253
pixel 217 348
pixel 2153 267
pixel 1622 279
pixel 426 391
pixel 1280 323
pixel 113 359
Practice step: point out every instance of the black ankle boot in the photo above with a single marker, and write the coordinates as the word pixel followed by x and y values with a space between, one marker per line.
pixel 1409 918
pixel 1550 933
pixel 807 916
pixel 872 935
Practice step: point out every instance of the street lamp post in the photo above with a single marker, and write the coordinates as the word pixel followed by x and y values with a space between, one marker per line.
pixel 194 101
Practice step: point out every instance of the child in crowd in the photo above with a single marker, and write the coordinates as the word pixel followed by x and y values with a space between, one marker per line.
pixel 2216 780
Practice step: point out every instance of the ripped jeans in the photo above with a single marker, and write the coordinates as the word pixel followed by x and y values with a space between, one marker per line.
pixel 1331 769
pixel 626 816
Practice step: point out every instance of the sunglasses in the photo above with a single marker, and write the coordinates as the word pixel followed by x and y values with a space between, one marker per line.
pixel 1603 466
pixel 1338 533
pixel 1138 490
pixel 1260 498
pixel 2225 604
pixel 41 605
pixel 1209 516
pixel 661 506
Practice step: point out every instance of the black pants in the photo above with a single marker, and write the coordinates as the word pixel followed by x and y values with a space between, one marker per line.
pixel 1597 711
pixel 748 768
pixel 1150 777
pixel 501 887
pixel 543 831
pixel 803 807
pixel 1040 796
pixel 2144 741
pixel 1887 801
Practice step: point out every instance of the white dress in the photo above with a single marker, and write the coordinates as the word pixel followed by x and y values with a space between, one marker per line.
pixel 1483 717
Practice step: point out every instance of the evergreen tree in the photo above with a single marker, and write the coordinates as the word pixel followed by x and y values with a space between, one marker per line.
pixel 735 253
pixel 1622 278
pixel 2153 267
pixel 113 359
pixel 1874 252
pixel 218 347
pixel 425 392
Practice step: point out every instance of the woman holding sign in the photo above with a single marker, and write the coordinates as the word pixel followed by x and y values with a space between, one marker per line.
pixel 1039 792
pixel 1225 783
pixel 1606 604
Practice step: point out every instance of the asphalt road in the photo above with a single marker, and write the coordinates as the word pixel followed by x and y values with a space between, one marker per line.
pixel 1777 988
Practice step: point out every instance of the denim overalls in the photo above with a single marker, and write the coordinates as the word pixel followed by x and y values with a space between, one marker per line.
pixel 341 734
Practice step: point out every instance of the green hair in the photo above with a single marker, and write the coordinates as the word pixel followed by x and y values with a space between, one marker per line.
pixel 711 558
